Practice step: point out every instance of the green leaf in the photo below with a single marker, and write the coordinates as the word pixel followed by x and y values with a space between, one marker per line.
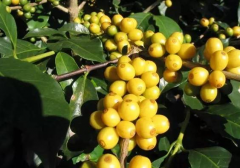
pixel 142 19
pixel 34 103
pixel 235 94
pixel 83 91
pixel 40 19
pixel 100 85
pixel 222 24
pixel 213 157
pixel 192 101
pixel 74 28
pixel 157 163
pixel 39 32
pixel 224 119
pixel 163 144
pixel 89 49
pixel 25 49
pixel 8 25
pixel 239 13
pixel 96 153
pixel 166 25
pixel 64 64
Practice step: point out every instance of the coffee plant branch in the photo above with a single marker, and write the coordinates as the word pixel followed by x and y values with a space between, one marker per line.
pixel 148 9
pixel 124 152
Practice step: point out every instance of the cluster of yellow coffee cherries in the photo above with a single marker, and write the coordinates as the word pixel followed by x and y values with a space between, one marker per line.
pixel 129 110
pixel 220 59
pixel 222 33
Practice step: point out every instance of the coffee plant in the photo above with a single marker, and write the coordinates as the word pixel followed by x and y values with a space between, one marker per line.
pixel 119 84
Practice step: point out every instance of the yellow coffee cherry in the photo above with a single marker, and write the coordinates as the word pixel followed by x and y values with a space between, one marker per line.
pixel 168 3
pixel 158 38
pixel 131 143
pixel 108 161
pixel 156 50
pixel 150 78
pixel 123 47
pixel 139 161
pixel 100 104
pixel 172 45
pixel 96 121
pixel 191 90
pixel 233 58
pixel 150 66
pixel 234 70
pixel 148 108
pixel 115 55
pixel 141 98
pixel 110 45
pixel 94 19
pixel 119 87
pixel 198 76
pixel 236 31
pixel 135 35
pixel 126 129
pixel 146 143
pixel 145 128
pixel 100 14
pixel 105 18
pixel 161 123
pixel 110 117
pixel 187 51
pixel 206 54
pixel 172 76
pixel 228 48
pixel 125 71
pixel 124 59
pixel 178 35
pixel 208 93
pixel 127 24
pixel 138 64
pixel 132 97
pixel 219 60
pixel 116 19
pixel 129 110
pixel 77 20
pixel 112 100
pixel 152 92
pixel 120 36
pixel 211 20
pixel 213 44
pixel 107 137
pixel 217 79
pixel 147 37
pixel 88 164
pixel 204 22
pixel 139 43
pixel 94 28
pixel 105 25
pixel 136 86
pixel 110 74
pixel 173 62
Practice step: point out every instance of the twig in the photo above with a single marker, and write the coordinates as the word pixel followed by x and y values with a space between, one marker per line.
pixel 73 9
pixel 148 9
pixel 62 8
pixel 82 5
pixel 124 152
pixel 201 36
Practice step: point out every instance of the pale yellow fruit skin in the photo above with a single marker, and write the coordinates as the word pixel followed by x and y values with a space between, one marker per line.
pixel 163 126
pixel 129 110
pixel 88 164
pixel 146 143
pixel 234 70
pixel 228 48
pixel 108 161
pixel 158 38
pixel 132 97
pixel 156 50
pixel 234 58
pixel 112 100
pixel 124 59
pixel 172 45
pixel 207 55
pixel 150 66
pixel 119 87
pixel 126 129
pixel 136 86
pixel 107 137
pixel 135 35
pixel 145 128
pixel 187 51
pixel 208 93
pixel 179 36
pixel 173 62
pixel 171 76
pixel 152 92
pixel 219 60
pixel 148 108
pixel 127 24
pixel 125 71
pixel 150 78
pixel 96 121
pixel 110 117
pixel 110 74
pixel 139 161
pixel 213 44
pixel 198 76
pixel 139 65
pixel 217 79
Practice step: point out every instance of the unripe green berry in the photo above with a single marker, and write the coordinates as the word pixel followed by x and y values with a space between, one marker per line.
pixel 229 31
pixel 32 10
pixel 55 3
pixel 7 2
pixel 214 27
pixel 187 38
pixel 27 7
pixel 23 2
pixel 28 15
pixel 222 36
